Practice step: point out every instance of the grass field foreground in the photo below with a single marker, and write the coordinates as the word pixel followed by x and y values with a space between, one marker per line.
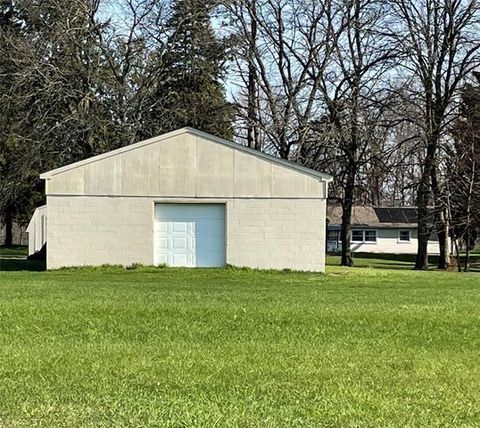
pixel 239 348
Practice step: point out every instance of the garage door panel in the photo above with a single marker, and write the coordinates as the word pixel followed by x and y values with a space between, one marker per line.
pixel 162 243
pixel 161 227
pixel 210 226
pixel 216 246
pixel 207 260
pixel 179 260
pixel 180 244
pixel 161 259
pixel 197 211
pixel 179 226
pixel 190 234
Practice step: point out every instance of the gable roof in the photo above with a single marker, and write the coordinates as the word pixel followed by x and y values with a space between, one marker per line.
pixel 370 216
pixel 396 214
pixel 196 132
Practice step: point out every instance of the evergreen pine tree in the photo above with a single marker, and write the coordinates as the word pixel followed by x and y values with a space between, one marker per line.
pixel 465 165
pixel 14 173
pixel 190 92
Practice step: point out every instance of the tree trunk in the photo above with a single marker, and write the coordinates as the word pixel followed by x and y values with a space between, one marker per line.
pixel 452 231
pixel 251 125
pixel 441 225
pixel 345 232
pixel 421 262
pixel 375 188
pixel 466 266
pixel 442 234
pixel 8 226
pixel 442 245
pixel 457 255
pixel 252 134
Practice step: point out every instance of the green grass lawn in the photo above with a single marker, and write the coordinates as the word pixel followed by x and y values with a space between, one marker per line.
pixel 13 251
pixel 238 348
pixel 14 259
pixel 9 260
pixel 397 261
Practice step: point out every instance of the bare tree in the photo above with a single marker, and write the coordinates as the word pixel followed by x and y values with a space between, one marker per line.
pixel 276 66
pixel 252 86
pixel 440 43
pixel 354 91
pixel 463 178
pixel 318 86
pixel 73 81
pixel 43 80
pixel 133 45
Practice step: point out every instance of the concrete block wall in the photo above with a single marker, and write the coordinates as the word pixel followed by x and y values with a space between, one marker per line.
pixel 98 230
pixel 276 233
pixel 260 232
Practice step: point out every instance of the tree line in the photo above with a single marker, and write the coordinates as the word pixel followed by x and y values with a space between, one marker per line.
pixel 382 94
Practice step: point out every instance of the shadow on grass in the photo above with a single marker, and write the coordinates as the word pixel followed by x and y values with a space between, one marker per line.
pixel 393 258
pixel 17 264
pixel 396 261
pixel 389 266
pixel 13 250
pixel 360 260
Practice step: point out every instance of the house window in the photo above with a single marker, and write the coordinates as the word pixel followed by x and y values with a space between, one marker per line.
pixel 357 235
pixel 404 236
pixel 370 236
pixel 332 235
pixel 364 236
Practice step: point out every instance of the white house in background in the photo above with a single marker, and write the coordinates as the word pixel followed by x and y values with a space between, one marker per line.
pixel 37 230
pixel 390 230
pixel 186 198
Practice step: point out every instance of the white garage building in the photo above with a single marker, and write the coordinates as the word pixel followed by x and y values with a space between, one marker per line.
pixel 186 198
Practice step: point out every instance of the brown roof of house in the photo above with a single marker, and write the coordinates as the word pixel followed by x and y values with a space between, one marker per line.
pixel 375 216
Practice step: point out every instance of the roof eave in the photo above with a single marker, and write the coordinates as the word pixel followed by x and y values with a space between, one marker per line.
pixel 380 225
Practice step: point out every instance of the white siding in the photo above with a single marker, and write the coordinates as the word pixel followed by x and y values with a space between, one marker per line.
pixel 189 166
pixel 388 242
pixel 37 230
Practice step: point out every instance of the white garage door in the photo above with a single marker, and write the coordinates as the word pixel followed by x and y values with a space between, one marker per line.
pixel 190 235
